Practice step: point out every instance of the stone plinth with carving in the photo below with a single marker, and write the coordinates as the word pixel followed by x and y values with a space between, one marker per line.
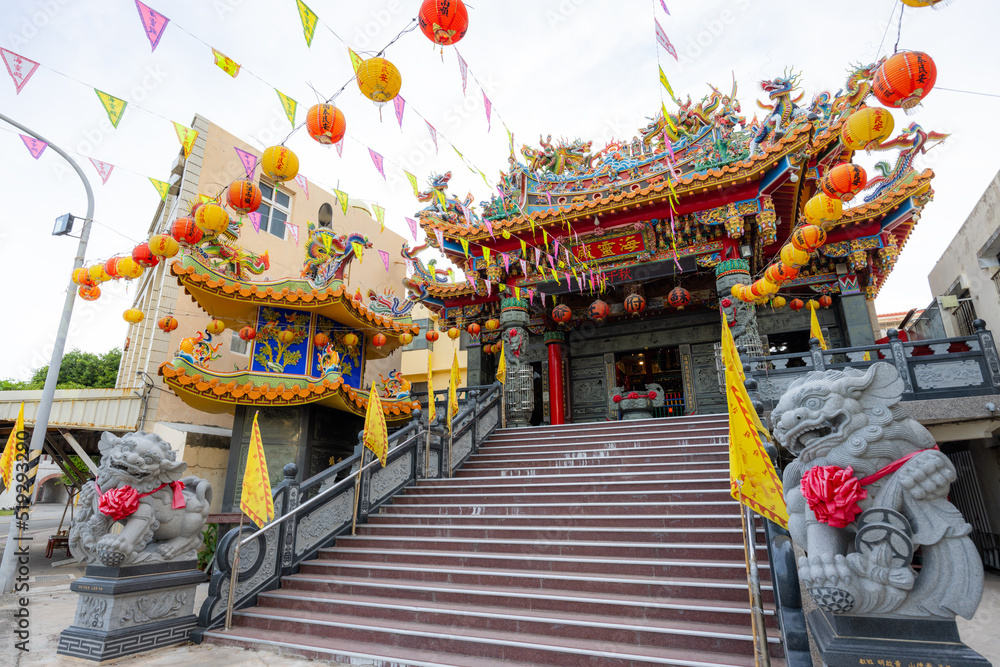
pixel 638 404
pixel 519 390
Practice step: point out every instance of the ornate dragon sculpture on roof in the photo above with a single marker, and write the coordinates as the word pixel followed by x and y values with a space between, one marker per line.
pixel 912 141
pixel 422 274
pixel 565 157
pixel 785 112
pixel 328 254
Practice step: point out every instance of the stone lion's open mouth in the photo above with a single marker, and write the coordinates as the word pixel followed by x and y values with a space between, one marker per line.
pixel 807 439
pixel 138 473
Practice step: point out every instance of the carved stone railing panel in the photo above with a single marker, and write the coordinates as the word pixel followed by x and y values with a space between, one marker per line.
pixel 315 527
pixel 386 481
pixel 948 375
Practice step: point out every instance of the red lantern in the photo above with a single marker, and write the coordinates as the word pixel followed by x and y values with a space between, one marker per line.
pixel 473 329
pixel 562 314
pixel 326 123
pixel 779 273
pixel 186 231
pixel 444 22
pixel 320 340
pixel 111 267
pixel 378 340
pixel 487 349
pixel 807 238
pixel 679 297
pixel 144 257
pixel 844 181
pixel 826 301
pixel 432 335
pixel 796 304
pixel 89 293
pixel 599 311
pixel 244 196
pixel 904 79
pixel 635 304
pixel 248 333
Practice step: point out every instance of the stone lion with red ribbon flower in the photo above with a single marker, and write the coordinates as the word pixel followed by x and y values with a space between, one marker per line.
pixel 139 484
pixel 868 488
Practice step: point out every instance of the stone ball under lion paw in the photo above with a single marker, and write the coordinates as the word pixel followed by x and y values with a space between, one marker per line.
pixel 111 558
pixel 834 600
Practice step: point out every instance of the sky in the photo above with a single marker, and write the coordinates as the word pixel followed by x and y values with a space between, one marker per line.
pixel 569 68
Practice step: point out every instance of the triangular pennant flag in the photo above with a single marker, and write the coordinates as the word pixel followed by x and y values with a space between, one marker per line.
pixel 187 137
pixel 441 200
pixel 249 161
pixel 666 84
pixel 661 37
pixel 489 288
pixel 545 238
pixel 162 187
pixel 510 140
pixel 225 63
pixel 538 255
pixel 17 67
pixel 434 135
pixel 409 266
pixel 289 105
pixel 293 230
pixel 376 434
pixel 524 248
pixel 489 107
pixel 380 216
pixel 399 104
pixel 413 182
pixel 439 235
pixel 464 69
pixel 153 23
pixel 815 331
pixel 484 178
pixel 454 380
pixel 340 148
pixel 517 292
pixel 103 168
pixel 489 227
pixel 377 160
pixel 356 60
pixel 255 220
pixel 113 105
pixel 35 146
pixel 673 128
pixel 309 20
pixel 413 227
pixel 506 261
pixel 385 259
pixel 486 256
pixel 502 364
pixel 303 183
pixel 342 198
pixel 357 250
pixel 664 5
pixel 524 266
pixel 204 199
pixel 459 153
pixel 465 246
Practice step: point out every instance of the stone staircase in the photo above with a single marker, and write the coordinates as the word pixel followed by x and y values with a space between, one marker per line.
pixel 594 544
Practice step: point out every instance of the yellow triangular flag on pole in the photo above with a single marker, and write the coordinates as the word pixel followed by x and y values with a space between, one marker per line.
pixel 752 478
pixel 502 366
pixel 342 198
pixel 465 246
pixel 670 121
pixel 309 20
pixel 226 64
pixel 356 60
pixel 413 182
pixel 10 451
pixel 431 407
pixel 255 498
pixel 814 329
pixel 187 137
pixel 454 381
pixel 289 105
pixel 376 434
pixel 113 105
pixel 441 199
pixel 161 186
pixel 666 84
pixel 357 250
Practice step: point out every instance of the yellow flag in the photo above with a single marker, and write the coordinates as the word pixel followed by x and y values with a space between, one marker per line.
pixel 413 182
pixel 670 121
pixel 465 246
pixel 814 330
pixel 502 366
pixel 517 292
pixel 455 380
pixel 752 478
pixel 255 498
pixel 486 256
pixel 342 198
pixel 431 408
pixel 309 20
pixel 356 60
pixel 545 239
pixel 113 105
pixel 666 84
pixel 441 199
pixel 187 137
pixel 376 434
pixel 289 105
pixel 867 357
pixel 357 250
pixel 226 64
pixel 524 249
pixel 10 451
pixel 162 187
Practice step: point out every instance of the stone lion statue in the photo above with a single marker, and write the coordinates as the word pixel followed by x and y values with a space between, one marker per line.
pixel 139 484
pixel 867 488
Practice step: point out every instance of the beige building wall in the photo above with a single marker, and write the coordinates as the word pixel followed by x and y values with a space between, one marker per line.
pixel 971 263
pixel 414 363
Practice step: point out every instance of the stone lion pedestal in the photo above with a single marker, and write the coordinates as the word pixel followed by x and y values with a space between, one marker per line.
pixel 139 587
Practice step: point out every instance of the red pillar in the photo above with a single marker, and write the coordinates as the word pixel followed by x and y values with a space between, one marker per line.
pixel 556 414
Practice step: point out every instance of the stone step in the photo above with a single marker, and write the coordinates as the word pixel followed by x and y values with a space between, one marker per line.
pixel 728 520
pixel 599 484
pixel 625 438
pixel 575 476
pixel 659 535
pixel 535 508
pixel 603 449
pixel 644 425
pixel 662 497
pixel 593 466
pixel 596 458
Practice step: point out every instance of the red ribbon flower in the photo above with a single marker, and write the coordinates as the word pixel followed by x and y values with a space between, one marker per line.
pixel 633 394
pixel 652 394
pixel 617 398
pixel 833 494
pixel 119 503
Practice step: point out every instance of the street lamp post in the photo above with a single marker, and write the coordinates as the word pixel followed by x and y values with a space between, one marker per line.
pixel 7 565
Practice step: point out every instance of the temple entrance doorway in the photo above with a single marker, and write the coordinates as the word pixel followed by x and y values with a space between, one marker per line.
pixel 635 370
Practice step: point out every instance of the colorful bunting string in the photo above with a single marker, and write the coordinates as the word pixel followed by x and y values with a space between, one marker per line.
pixel 153 23
pixel 16 68
pixel 35 146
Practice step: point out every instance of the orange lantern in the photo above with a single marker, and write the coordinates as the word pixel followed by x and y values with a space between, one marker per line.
pixel 279 164
pixel 128 268
pixel 432 335
pixel 326 123
pixel 248 333
pixel 185 230
pixel 904 79
pixel 844 181
pixel 679 297
pixel 144 257
pixel 492 324
pixel 406 338
pixel 81 276
pixel 163 245
pixel 635 304
pixel 487 349
pixel 215 327
pixel 444 22
pixel 796 304
pixel 320 340
pixel 454 333
pixel 378 340
pixel 779 273
pixel 111 267
pixel 89 293
pixel 825 301
pixel 473 329
pixel 562 314
pixel 133 315
pixel 286 337
pixel 867 128
pixel 808 237
pixel 350 339
pixel 792 256
pixel 168 323
pixel 211 219
pixel 243 196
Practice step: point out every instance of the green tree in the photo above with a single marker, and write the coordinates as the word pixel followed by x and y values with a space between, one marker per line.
pixel 79 370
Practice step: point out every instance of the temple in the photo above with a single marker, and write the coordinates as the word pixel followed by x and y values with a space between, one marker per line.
pixel 607 268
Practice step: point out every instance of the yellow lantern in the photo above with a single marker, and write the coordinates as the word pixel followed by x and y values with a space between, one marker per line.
pixel 164 245
pixel 823 208
pixel 867 128
pixel 812 305
pixel 406 338
pixel 128 268
pixel 778 302
pixel 454 333
pixel 737 289
pixel 211 219
pixel 133 315
pixel 279 164
pixel 81 276
pixel 215 327
pixel 98 274
pixel 350 339
pixel 792 256
pixel 379 80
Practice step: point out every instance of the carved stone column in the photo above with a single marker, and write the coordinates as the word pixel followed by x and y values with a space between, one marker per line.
pixel 519 392
pixel 741 315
